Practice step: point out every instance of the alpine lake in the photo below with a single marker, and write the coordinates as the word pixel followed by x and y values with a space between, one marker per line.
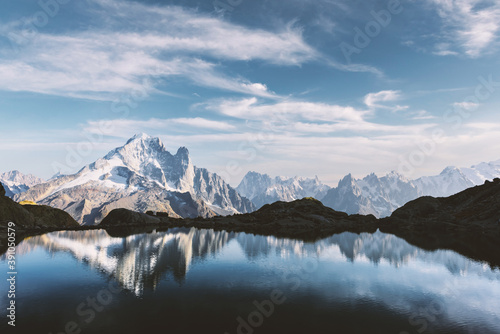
pixel 188 280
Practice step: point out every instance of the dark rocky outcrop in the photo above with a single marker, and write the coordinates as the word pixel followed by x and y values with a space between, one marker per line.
pixel 307 218
pixel 29 219
pixel 476 208
pixel 47 216
pixel 32 216
pixel 11 211
pixel 125 217
pixel 468 222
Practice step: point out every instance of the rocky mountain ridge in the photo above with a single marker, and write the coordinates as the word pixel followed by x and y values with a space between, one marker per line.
pixel 143 176
pixel 15 182
pixel 375 195
pixel 261 189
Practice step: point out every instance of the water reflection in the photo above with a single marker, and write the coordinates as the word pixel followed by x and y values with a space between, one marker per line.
pixel 139 262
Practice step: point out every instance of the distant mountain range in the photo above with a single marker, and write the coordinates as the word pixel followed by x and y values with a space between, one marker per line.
pixel 261 189
pixel 375 195
pixel 380 196
pixel 143 176
pixel 15 182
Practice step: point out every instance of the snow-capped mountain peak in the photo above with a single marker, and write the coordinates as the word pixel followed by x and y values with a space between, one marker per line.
pixel 262 189
pixel 16 182
pixel 141 175
pixel 382 195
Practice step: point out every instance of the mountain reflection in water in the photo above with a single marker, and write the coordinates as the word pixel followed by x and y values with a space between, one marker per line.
pixel 140 261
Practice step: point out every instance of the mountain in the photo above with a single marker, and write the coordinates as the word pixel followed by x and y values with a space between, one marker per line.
pixel 453 180
pixel 261 189
pixel 349 198
pixel 174 252
pixel 380 196
pixel 375 195
pixel 15 182
pixel 142 176
pixel 467 222
pixel 372 194
pixel 474 208
pixel 31 216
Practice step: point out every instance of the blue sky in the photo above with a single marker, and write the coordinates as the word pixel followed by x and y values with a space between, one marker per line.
pixel 324 87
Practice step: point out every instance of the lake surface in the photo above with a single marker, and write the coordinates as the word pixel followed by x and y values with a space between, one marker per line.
pixel 205 281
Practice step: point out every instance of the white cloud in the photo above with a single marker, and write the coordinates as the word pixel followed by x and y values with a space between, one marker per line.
pixel 483 126
pixel 373 100
pixel 117 58
pixel 304 118
pixel 421 115
pixel 466 105
pixel 443 49
pixel 140 42
pixel 174 29
pixel 250 109
pixel 471 26
pixel 291 153
pixel 204 123
pixel 125 128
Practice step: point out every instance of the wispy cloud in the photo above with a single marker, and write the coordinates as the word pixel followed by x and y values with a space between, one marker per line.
pixel 378 100
pixel 466 105
pixel 421 115
pixel 125 128
pixel 306 118
pixel 117 57
pixel 251 109
pixel 469 26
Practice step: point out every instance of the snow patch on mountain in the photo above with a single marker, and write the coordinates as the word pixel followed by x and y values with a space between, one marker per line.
pixel 261 189
pixel 16 182
pixel 380 196
pixel 141 175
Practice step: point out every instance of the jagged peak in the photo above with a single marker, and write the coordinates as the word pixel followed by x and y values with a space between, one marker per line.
pixel 144 138
pixel 139 140
pixel 370 176
pixel 140 136
pixel 396 174
pixel 347 180
pixel 17 176
pixel 183 153
pixel 450 169
pixel 250 174
pixel 12 173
